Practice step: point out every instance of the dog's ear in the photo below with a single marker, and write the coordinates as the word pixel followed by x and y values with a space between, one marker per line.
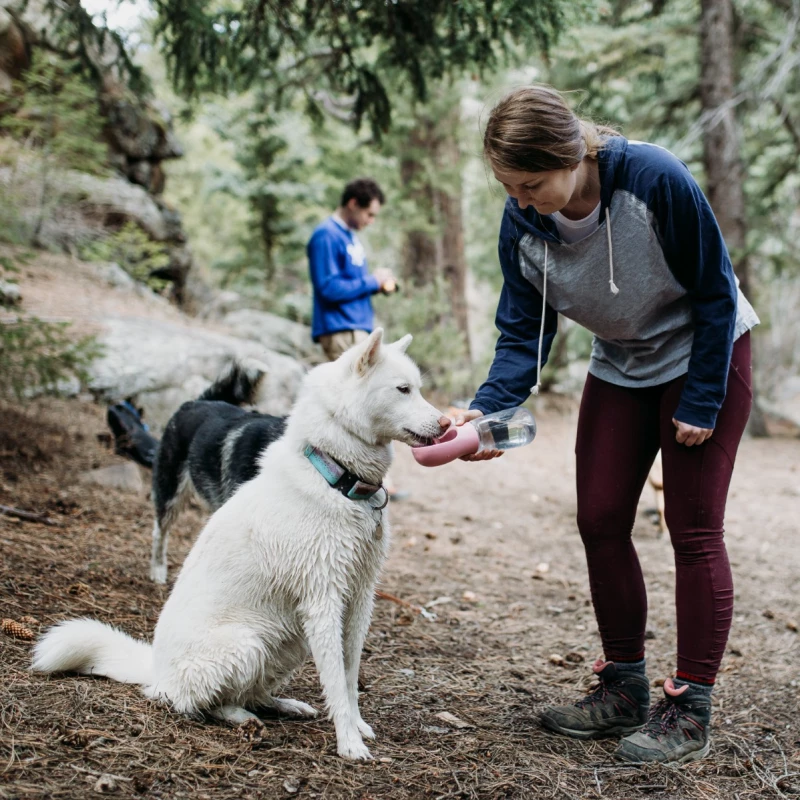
pixel 402 344
pixel 369 351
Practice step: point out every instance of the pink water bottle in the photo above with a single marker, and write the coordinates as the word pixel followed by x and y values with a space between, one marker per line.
pixel 503 430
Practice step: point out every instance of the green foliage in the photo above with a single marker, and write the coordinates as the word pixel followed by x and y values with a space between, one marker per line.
pixel 57 113
pixel 326 48
pixel 74 36
pixel 438 346
pixel 639 69
pixel 54 122
pixel 37 356
pixel 134 251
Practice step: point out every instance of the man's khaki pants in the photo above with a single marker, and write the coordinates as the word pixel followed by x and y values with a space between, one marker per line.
pixel 334 344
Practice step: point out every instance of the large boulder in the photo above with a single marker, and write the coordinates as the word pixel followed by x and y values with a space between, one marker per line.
pixel 162 364
pixel 274 332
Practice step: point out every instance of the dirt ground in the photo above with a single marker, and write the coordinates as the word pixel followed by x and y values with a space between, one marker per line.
pixel 498 539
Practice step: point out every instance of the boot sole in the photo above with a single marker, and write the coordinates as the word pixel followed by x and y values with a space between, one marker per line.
pixel 695 755
pixel 606 733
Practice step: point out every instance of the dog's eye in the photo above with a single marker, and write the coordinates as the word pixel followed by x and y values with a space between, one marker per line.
pixel 404 389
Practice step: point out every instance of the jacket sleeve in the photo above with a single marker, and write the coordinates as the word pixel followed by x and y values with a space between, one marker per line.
pixel 696 254
pixel 326 275
pixel 519 318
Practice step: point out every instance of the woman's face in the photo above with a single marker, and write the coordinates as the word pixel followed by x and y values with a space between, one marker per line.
pixel 546 191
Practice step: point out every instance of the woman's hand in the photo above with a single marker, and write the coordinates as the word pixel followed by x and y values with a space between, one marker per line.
pixel 690 434
pixel 463 416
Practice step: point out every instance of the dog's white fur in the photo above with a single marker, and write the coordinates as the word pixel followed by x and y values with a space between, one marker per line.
pixel 288 565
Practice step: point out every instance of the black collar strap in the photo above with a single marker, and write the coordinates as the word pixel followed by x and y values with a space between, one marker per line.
pixel 348 483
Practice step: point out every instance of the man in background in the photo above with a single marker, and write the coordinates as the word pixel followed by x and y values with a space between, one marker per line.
pixel 343 287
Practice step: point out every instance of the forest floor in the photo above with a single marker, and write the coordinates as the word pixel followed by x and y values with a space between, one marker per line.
pixel 498 539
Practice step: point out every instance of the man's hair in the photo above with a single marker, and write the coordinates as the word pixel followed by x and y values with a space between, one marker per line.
pixel 365 190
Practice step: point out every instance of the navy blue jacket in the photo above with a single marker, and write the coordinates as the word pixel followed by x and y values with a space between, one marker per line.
pixel 678 310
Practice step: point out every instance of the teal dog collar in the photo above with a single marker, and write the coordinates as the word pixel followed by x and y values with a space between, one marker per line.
pixel 348 483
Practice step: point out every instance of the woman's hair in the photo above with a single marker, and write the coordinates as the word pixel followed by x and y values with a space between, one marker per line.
pixel 532 129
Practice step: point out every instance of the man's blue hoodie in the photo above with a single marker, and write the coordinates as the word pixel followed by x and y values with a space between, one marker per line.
pixel 653 283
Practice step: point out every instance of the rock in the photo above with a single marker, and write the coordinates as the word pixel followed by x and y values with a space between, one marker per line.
pixel 274 332
pixel 113 274
pixel 87 206
pixel 117 197
pixel 291 785
pixel 10 295
pixel 126 476
pixel 105 784
pixel 574 657
pixel 163 364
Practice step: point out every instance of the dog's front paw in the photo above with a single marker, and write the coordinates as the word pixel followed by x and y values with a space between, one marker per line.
pixel 158 573
pixel 353 748
pixel 295 708
pixel 365 730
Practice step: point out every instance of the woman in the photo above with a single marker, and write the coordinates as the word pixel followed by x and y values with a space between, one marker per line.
pixel 618 236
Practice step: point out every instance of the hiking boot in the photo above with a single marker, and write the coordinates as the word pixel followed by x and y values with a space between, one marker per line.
pixel 617 707
pixel 677 731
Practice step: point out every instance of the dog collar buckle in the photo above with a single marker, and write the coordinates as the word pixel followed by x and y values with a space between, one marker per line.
pixel 348 483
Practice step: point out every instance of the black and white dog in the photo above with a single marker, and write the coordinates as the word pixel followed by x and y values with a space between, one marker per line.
pixel 210 447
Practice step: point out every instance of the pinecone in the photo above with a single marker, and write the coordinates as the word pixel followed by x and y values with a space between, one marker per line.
pixel 17 630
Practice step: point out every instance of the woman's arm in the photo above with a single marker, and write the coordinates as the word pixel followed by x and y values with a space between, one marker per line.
pixel 519 317
pixel 696 254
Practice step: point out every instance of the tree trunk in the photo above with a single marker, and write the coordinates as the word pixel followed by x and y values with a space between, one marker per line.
pixel 420 264
pixel 721 147
pixel 431 173
pixel 452 222
pixel 721 142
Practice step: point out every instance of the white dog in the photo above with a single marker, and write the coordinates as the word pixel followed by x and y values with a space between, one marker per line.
pixel 287 565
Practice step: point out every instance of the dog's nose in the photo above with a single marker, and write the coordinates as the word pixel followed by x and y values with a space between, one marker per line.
pixel 445 423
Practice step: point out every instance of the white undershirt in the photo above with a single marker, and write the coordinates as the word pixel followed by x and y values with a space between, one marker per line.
pixel 573 230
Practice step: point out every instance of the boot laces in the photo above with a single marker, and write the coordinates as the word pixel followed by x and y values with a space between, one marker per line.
pixel 599 694
pixel 664 718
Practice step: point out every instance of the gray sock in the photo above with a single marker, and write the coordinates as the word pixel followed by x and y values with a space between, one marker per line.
pixel 631 666
pixel 699 688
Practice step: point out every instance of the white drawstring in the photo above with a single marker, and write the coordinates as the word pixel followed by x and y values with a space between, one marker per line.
pixel 535 389
pixel 614 287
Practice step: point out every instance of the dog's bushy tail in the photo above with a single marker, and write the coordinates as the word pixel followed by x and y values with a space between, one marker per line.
pixel 89 647
pixel 237 385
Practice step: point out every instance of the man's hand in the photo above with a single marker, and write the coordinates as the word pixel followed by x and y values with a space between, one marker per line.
pixel 690 434
pixel 463 416
pixel 385 278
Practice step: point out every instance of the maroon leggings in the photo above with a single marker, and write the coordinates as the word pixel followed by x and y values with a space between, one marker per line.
pixel 620 430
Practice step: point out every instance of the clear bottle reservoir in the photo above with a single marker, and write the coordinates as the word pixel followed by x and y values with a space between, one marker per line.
pixel 504 430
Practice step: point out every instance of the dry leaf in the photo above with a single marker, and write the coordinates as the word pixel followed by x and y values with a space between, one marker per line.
pixel 451 719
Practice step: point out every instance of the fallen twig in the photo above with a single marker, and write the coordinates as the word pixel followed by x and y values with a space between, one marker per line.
pixel 100 774
pixel 423 612
pixel 29 516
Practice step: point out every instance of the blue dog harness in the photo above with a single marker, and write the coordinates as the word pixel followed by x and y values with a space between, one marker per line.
pixel 348 483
